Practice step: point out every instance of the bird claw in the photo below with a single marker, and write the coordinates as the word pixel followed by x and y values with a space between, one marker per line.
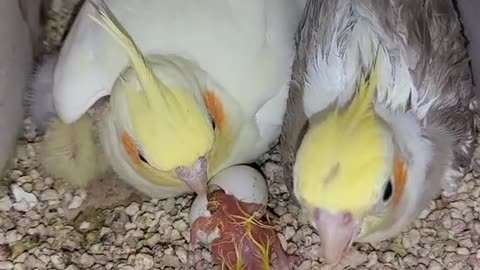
pixel 284 261
pixel 475 166
pixel 204 202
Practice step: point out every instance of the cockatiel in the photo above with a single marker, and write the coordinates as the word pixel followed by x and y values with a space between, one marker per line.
pixel 178 90
pixel 379 118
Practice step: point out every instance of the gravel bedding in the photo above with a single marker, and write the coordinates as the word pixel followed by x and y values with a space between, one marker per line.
pixel 36 234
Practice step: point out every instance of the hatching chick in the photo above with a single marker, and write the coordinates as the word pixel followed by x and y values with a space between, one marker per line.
pixel 69 151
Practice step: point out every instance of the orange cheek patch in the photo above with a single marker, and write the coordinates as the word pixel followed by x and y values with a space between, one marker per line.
pixel 215 108
pixel 400 175
pixel 130 147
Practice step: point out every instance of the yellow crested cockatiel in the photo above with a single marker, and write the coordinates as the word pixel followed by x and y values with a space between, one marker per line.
pixel 168 92
pixel 379 117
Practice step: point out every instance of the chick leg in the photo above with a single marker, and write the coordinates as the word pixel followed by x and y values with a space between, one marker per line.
pixel 284 261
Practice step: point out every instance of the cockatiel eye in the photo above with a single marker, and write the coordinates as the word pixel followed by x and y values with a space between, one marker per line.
pixel 132 149
pixel 388 191
pixel 141 156
pixel 213 122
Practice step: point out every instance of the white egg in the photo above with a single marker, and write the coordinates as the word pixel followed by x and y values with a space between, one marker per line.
pixel 243 182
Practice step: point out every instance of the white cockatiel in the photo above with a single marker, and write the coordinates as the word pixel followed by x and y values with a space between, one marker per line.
pixel 380 117
pixel 175 87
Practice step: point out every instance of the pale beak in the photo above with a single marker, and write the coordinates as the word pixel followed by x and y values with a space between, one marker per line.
pixel 196 178
pixel 337 232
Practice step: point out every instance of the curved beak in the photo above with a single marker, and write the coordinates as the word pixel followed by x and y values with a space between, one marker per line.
pixel 195 176
pixel 337 232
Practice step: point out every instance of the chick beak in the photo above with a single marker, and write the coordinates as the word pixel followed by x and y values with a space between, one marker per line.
pixel 337 232
pixel 195 176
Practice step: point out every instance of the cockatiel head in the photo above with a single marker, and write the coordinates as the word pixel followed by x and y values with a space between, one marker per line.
pixel 354 176
pixel 165 132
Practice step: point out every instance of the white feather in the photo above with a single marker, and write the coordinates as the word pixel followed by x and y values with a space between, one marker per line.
pixel 408 132
pixel 245 46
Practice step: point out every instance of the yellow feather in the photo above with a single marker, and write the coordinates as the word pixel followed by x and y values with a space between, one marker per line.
pixel 169 124
pixel 69 151
pixel 344 157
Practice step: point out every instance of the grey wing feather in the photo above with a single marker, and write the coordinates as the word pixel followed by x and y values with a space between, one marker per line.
pixel 295 119
pixel 428 37
pixel 443 75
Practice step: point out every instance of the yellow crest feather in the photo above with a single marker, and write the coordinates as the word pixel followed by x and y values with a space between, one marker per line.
pixel 170 125
pixel 343 157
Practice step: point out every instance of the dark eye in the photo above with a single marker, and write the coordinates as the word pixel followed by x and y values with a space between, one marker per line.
pixel 213 122
pixel 141 157
pixel 388 191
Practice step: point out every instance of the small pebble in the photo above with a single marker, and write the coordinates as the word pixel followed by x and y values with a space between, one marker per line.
pixel 5 252
pixel 20 266
pixel 5 204
pixel 75 203
pixel 132 209
pixel 49 194
pixel 6 265
pixel 143 262
pixel 87 260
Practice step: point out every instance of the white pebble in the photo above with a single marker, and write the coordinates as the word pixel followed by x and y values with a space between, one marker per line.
pixel 143 262
pixel 87 260
pixel 49 195
pixel 58 261
pixel 6 265
pixel 84 226
pixel 20 266
pixel 435 266
pixel 169 205
pixel 289 232
pixel 182 255
pixel 12 236
pixel 132 209
pixel 463 251
pixel 28 200
pixel 5 204
pixel 21 206
pixel 76 202
pixel 180 225
pixel 170 260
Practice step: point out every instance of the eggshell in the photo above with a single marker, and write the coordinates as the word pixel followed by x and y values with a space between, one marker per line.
pixel 243 182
